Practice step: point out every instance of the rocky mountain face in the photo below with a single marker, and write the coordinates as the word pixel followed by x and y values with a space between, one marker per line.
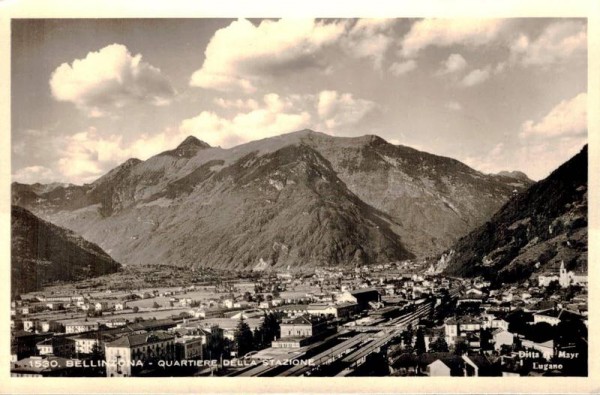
pixel 299 200
pixel 532 232
pixel 42 253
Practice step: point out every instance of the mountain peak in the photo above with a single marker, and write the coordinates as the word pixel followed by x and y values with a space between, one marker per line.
pixel 191 141
pixel 188 148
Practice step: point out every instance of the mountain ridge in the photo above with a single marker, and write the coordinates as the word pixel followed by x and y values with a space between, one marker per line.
pixel 539 228
pixel 425 201
pixel 42 253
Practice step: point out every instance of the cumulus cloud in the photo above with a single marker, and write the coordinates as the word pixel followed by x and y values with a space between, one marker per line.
pixel 109 79
pixel 453 64
pixel 275 115
pixel 399 68
pixel 447 32
pixel 336 109
pixel 238 104
pixel 558 42
pixel 369 38
pixel 33 174
pixel 87 155
pixel 569 117
pixel 272 47
pixel 476 77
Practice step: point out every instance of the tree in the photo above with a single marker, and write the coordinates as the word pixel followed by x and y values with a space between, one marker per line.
pixel 136 309
pixel 461 347
pixel 420 346
pixel 243 338
pixel 439 345
pixel 155 305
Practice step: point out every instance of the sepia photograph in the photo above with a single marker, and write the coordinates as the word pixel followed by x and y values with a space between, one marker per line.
pixel 349 197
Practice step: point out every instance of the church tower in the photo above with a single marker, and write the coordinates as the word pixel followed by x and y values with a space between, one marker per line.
pixel 564 276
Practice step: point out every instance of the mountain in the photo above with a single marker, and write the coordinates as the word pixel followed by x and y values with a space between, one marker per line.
pixel 300 199
pixel 516 175
pixel 533 231
pixel 42 253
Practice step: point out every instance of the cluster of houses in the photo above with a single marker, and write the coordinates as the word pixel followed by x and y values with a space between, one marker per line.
pixel 355 299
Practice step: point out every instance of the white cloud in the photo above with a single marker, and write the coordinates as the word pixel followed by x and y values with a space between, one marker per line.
pixel 558 42
pixel 569 117
pixel 238 104
pixel 369 38
pixel 270 48
pixel 109 79
pixel 447 32
pixel 537 158
pixel 476 77
pixel 453 64
pixel 33 174
pixel 399 68
pixel 336 109
pixel 87 155
pixel 276 115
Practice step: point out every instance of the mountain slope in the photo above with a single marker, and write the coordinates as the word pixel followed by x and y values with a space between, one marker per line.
pixel 298 199
pixel 42 253
pixel 534 230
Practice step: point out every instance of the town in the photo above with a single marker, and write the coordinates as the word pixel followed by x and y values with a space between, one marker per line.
pixel 394 319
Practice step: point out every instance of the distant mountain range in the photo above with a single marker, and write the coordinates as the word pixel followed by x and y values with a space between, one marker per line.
pixel 533 231
pixel 42 253
pixel 298 200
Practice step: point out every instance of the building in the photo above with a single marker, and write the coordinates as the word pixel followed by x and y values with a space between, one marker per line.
pixel 131 353
pixel 564 277
pixel 44 366
pixel 59 346
pixel 101 306
pixel 189 347
pixel 81 326
pixel 362 297
pixel 302 326
pixel 501 338
pixel 299 331
pixel 555 316
pixel 453 328
pixel 447 366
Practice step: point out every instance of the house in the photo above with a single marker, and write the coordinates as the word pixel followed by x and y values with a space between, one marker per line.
pixel 501 338
pixel 81 326
pixel 467 365
pixel 57 346
pixel 189 347
pixel 29 325
pixel 140 349
pixel 101 306
pixel 555 316
pixel 119 306
pixel 453 328
pixel 451 365
pixel 478 365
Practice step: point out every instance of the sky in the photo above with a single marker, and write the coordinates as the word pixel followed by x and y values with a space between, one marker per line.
pixel 496 94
